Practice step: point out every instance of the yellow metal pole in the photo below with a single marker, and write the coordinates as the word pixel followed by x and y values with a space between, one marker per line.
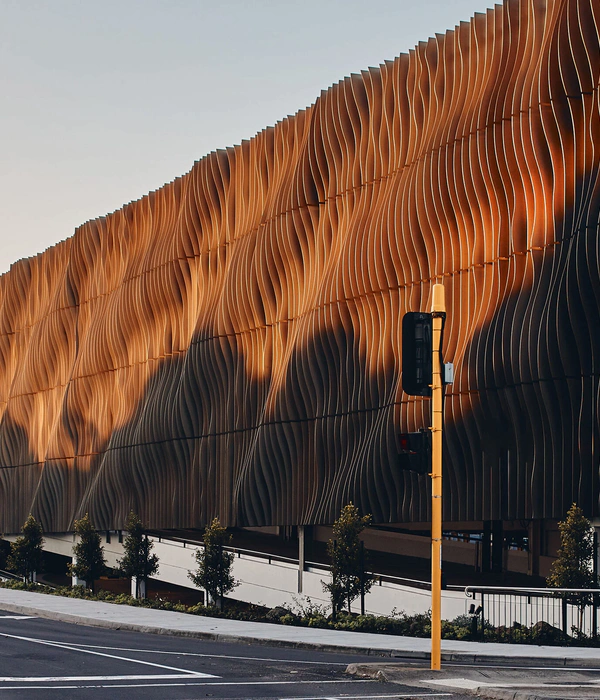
pixel 438 309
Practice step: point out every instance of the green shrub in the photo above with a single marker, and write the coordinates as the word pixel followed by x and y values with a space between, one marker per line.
pixel 317 621
pixel 309 614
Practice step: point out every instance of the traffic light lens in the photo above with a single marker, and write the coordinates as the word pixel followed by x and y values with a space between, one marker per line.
pixel 416 353
pixel 415 451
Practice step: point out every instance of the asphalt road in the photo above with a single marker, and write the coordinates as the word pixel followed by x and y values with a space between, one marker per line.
pixel 46 659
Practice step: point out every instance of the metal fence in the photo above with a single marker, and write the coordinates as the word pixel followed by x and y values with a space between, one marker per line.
pixel 537 615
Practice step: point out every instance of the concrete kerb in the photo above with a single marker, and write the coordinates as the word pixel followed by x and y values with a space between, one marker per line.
pixel 381 651
pixel 212 636
pixel 501 694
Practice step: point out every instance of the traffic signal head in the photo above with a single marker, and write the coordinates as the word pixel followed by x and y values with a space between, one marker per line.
pixel 416 353
pixel 415 451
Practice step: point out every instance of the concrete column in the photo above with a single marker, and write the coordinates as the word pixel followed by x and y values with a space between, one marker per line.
pixel 497 546
pixel 597 553
pixel 301 556
pixel 486 548
pixel 534 535
pixel 141 593
pixel 75 581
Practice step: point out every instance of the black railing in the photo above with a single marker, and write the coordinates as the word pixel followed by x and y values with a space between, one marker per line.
pixel 536 615
pixel 9 576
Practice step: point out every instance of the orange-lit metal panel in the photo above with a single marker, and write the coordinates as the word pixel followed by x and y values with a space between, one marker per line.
pixel 229 344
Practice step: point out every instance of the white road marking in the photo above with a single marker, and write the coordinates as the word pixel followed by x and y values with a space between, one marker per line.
pixel 469 684
pixel 207 656
pixel 74 679
pixel 187 684
pixel 60 645
pixel 17 617
pixel 372 697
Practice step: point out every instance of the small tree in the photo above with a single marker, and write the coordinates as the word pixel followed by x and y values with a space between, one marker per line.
pixel 25 557
pixel 4 552
pixel 573 567
pixel 214 564
pixel 348 576
pixel 138 561
pixel 88 553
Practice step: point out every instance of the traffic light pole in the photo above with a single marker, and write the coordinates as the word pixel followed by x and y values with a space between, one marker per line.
pixel 438 309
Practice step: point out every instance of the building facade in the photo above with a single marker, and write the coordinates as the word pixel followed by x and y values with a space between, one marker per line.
pixel 229 345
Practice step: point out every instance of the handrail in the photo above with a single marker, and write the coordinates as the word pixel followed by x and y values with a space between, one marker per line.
pixel 9 575
pixel 504 609
pixel 526 591
pixel 399 580
pixel 235 550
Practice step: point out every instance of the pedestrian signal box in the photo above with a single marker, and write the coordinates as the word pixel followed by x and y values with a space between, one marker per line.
pixel 415 451
pixel 416 353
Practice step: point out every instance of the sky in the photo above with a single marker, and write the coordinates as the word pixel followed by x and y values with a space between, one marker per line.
pixel 101 103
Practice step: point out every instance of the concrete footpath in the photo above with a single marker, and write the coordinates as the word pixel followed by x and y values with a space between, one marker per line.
pixel 544 658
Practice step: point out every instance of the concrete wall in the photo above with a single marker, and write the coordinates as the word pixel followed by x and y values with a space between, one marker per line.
pixel 271 582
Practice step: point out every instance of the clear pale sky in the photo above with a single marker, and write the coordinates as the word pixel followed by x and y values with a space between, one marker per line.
pixel 101 102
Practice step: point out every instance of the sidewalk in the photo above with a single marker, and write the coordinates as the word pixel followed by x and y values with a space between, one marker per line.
pixel 125 617
pixel 535 680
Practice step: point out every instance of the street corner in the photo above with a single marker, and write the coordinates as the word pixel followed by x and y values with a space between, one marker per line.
pixel 517 684
pixel 490 683
pixel 393 672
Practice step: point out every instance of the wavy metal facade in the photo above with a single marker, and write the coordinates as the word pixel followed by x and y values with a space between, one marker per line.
pixel 229 344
